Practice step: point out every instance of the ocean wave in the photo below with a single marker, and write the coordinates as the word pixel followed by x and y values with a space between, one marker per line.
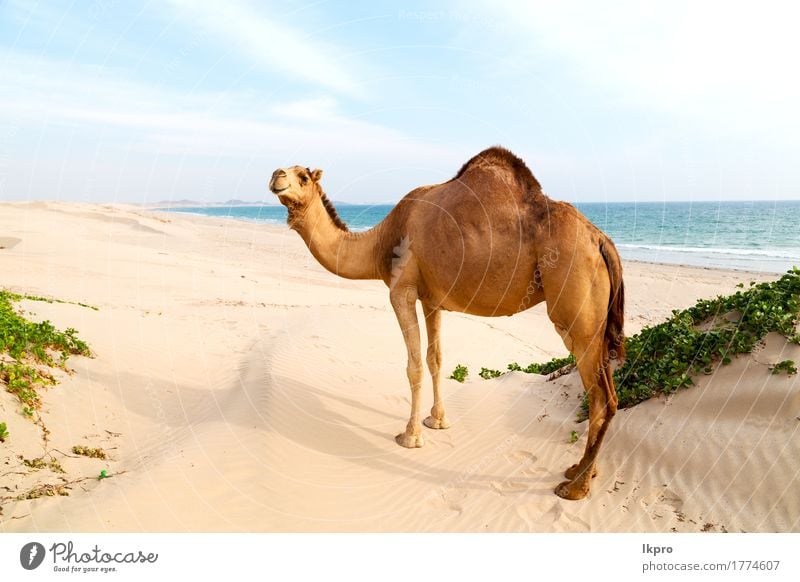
pixel 769 252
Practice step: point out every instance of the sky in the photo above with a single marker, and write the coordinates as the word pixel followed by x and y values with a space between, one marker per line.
pixel 122 101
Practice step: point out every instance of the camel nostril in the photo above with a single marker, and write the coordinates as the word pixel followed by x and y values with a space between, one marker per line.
pixel 278 174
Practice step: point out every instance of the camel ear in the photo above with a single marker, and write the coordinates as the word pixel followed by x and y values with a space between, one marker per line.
pixel 316 175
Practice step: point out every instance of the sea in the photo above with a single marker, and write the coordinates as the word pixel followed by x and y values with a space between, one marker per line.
pixel 762 236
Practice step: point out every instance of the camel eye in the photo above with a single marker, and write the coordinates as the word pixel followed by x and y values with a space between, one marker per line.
pixel 303 179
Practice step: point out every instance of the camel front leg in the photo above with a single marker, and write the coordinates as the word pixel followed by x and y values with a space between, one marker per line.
pixel 433 322
pixel 404 301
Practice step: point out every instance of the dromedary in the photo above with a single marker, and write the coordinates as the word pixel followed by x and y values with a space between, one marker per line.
pixel 488 242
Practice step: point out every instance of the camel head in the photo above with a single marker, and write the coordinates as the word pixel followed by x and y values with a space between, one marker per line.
pixel 295 187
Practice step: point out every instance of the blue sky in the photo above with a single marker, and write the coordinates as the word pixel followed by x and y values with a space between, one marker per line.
pixel 109 100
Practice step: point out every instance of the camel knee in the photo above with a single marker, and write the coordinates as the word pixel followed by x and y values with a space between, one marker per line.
pixel 605 393
pixel 600 406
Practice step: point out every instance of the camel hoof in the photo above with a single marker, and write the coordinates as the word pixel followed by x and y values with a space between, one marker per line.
pixel 568 490
pixel 409 441
pixel 572 472
pixel 440 423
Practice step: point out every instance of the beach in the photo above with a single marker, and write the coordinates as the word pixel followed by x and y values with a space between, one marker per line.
pixel 238 386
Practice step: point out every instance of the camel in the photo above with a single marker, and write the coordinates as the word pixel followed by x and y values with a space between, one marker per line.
pixel 488 242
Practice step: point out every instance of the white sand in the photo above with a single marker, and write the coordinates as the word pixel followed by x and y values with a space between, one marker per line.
pixel 240 387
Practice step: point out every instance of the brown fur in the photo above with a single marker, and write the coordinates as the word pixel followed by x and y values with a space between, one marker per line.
pixel 497 155
pixel 331 210
pixel 488 242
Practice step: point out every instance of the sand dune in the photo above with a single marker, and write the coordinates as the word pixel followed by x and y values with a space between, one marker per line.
pixel 239 387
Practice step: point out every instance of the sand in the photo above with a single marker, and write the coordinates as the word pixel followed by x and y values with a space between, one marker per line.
pixel 238 386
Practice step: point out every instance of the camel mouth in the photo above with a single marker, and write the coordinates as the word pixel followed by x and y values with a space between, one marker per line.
pixel 278 190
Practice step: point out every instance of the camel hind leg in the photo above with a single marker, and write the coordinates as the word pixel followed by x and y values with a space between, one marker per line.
pixel 577 304
pixel 596 377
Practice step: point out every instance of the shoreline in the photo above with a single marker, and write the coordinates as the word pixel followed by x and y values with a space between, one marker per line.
pixel 282 227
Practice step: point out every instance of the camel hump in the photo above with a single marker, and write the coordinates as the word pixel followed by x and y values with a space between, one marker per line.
pixel 497 156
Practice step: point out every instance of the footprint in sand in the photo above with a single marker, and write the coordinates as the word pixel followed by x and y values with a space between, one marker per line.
pixel 508 487
pixel 395 399
pixel 519 457
pixel 662 502
pixel 554 519
pixel 449 500
pixel 524 463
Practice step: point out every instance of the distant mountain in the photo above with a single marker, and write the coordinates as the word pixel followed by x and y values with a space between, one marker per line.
pixel 170 203
pixel 198 204
pixel 237 202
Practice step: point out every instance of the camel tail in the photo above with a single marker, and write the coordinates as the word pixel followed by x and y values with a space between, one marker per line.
pixel 614 336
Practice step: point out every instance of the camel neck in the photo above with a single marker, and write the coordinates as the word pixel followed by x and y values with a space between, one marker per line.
pixel 352 255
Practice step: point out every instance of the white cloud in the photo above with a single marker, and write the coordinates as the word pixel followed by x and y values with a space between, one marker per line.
pixel 318 109
pixel 116 117
pixel 714 60
pixel 62 92
pixel 274 45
